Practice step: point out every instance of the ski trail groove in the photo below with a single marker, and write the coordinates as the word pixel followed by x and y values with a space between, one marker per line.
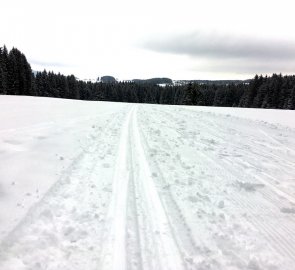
pixel 114 252
pixel 178 224
pixel 169 256
pixel 133 178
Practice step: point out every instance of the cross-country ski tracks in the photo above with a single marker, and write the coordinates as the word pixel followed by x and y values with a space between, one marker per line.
pixel 163 188
pixel 181 230
pixel 154 239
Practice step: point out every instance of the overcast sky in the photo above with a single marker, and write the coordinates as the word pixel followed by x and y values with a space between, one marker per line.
pixel 184 39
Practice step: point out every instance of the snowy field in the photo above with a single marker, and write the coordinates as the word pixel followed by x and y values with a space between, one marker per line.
pixel 97 185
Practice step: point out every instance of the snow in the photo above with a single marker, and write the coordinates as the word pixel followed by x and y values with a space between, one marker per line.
pixel 271 116
pixel 98 185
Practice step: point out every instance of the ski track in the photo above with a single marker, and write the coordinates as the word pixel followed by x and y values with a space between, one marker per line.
pixel 156 223
pixel 165 188
pixel 169 256
pixel 113 255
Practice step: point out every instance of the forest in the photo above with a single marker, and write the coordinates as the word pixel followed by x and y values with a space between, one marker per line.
pixel 272 92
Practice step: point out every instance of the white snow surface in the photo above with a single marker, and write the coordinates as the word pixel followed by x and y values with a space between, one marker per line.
pixel 98 185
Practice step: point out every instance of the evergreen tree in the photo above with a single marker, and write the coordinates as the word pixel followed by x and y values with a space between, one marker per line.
pixel 4 70
pixel 16 78
pixel 250 94
pixel 291 100
pixel 193 95
pixel 73 87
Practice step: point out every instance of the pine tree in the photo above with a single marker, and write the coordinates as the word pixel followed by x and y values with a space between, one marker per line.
pixel 4 71
pixel 73 87
pixel 2 91
pixel 193 95
pixel 291 101
pixel 250 94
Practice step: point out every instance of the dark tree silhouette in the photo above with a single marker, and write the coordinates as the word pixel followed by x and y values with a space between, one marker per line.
pixel 16 78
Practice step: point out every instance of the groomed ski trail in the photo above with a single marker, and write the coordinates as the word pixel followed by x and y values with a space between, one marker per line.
pixel 113 254
pixel 149 187
pixel 157 246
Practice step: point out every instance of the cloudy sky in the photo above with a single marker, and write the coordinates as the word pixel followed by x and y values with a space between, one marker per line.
pixel 183 39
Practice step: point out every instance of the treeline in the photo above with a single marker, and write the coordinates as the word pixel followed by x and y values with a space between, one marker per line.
pixel 275 92
pixel 15 73
pixel 16 78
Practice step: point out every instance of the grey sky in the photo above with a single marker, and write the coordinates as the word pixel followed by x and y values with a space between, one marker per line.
pixel 230 53
pixel 224 46
pixel 188 39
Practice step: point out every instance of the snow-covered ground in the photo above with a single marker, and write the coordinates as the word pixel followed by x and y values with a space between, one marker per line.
pixel 97 185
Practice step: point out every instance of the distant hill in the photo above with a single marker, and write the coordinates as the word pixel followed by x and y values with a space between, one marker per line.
pixel 107 79
pixel 154 81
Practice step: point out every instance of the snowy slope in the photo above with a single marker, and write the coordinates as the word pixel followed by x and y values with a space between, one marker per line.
pixel 97 185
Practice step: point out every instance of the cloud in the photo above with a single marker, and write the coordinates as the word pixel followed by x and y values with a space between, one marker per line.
pixel 245 67
pixel 218 46
pixel 229 54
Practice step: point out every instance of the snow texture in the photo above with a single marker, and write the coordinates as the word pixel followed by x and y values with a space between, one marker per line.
pixel 98 185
